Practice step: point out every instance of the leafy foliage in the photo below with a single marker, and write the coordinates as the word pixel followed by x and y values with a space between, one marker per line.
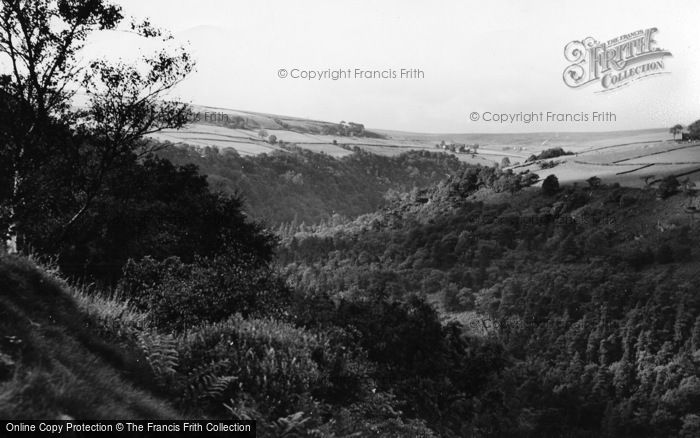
pixel 550 185
pixel 298 186
pixel 668 186
pixel 591 303
pixel 593 318
pixel 177 295
pixel 148 208
pixel 42 40
pixel 161 354
pixel 549 153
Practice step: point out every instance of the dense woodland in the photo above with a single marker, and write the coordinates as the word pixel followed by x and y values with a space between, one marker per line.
pixel 299 186
pixel 142 282
pixel 590 303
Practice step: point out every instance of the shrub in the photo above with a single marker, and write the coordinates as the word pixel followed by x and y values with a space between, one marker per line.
pixel 552 153
pixel 550 186
pixel 269 361
pixel 549 164
pixel 594 182
pixel 150 207
pixel 668 186
pixel 458 300
pixel 178 295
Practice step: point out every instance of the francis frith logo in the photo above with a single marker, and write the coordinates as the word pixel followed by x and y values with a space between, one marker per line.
pixel 614 63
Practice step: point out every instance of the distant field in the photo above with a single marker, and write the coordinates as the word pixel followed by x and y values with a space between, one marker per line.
pixel 619 156
pixel 627 164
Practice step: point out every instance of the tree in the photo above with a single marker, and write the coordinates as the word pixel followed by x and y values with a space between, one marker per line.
pixel 505 162
pixel 163 210
pixel 676 129
pixel 42 58
pixel 40 41
pixel 262 133
pixel 528 178
pixel 694 128
pixel 668 186
pixel 550 185
pixel 594 182
pixel 272 139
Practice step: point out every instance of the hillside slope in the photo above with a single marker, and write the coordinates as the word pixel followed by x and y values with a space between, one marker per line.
pixel 590 291
pixel 303 186
pixel 53 364
pixel 250 134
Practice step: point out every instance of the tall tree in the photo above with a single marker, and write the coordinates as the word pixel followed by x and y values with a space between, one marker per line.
pixel 675 130
pixel 40 41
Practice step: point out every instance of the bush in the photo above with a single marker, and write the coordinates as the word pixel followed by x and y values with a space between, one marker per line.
pixel 552 153
pixel 178 295
pixel 264 360
pixel 550 186
pixel 549 164
pixel 668 186
pixel 458 300
pixel 147 208
pixel 266 369
pixel 594 182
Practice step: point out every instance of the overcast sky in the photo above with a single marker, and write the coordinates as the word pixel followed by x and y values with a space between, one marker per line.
pixel 499 56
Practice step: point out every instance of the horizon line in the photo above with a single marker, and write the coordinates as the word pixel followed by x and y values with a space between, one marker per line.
pixel 259 113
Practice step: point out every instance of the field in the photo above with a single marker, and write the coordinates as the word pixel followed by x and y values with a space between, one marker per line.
pixel 626 157
pixel 630 164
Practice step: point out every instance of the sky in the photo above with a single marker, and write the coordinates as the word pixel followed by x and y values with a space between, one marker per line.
pixel 484 57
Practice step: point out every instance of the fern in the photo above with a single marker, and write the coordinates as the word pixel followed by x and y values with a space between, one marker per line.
pixel 292 426
pixel 207 382
pixel 239 410
pixel 161 353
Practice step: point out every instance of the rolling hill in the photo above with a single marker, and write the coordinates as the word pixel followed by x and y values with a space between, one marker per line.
pixel 626 157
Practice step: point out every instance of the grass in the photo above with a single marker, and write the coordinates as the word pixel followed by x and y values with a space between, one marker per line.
pixel 113 314
pixel 53 360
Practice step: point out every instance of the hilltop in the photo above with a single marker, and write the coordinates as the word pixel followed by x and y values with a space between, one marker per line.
pixel 631 158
